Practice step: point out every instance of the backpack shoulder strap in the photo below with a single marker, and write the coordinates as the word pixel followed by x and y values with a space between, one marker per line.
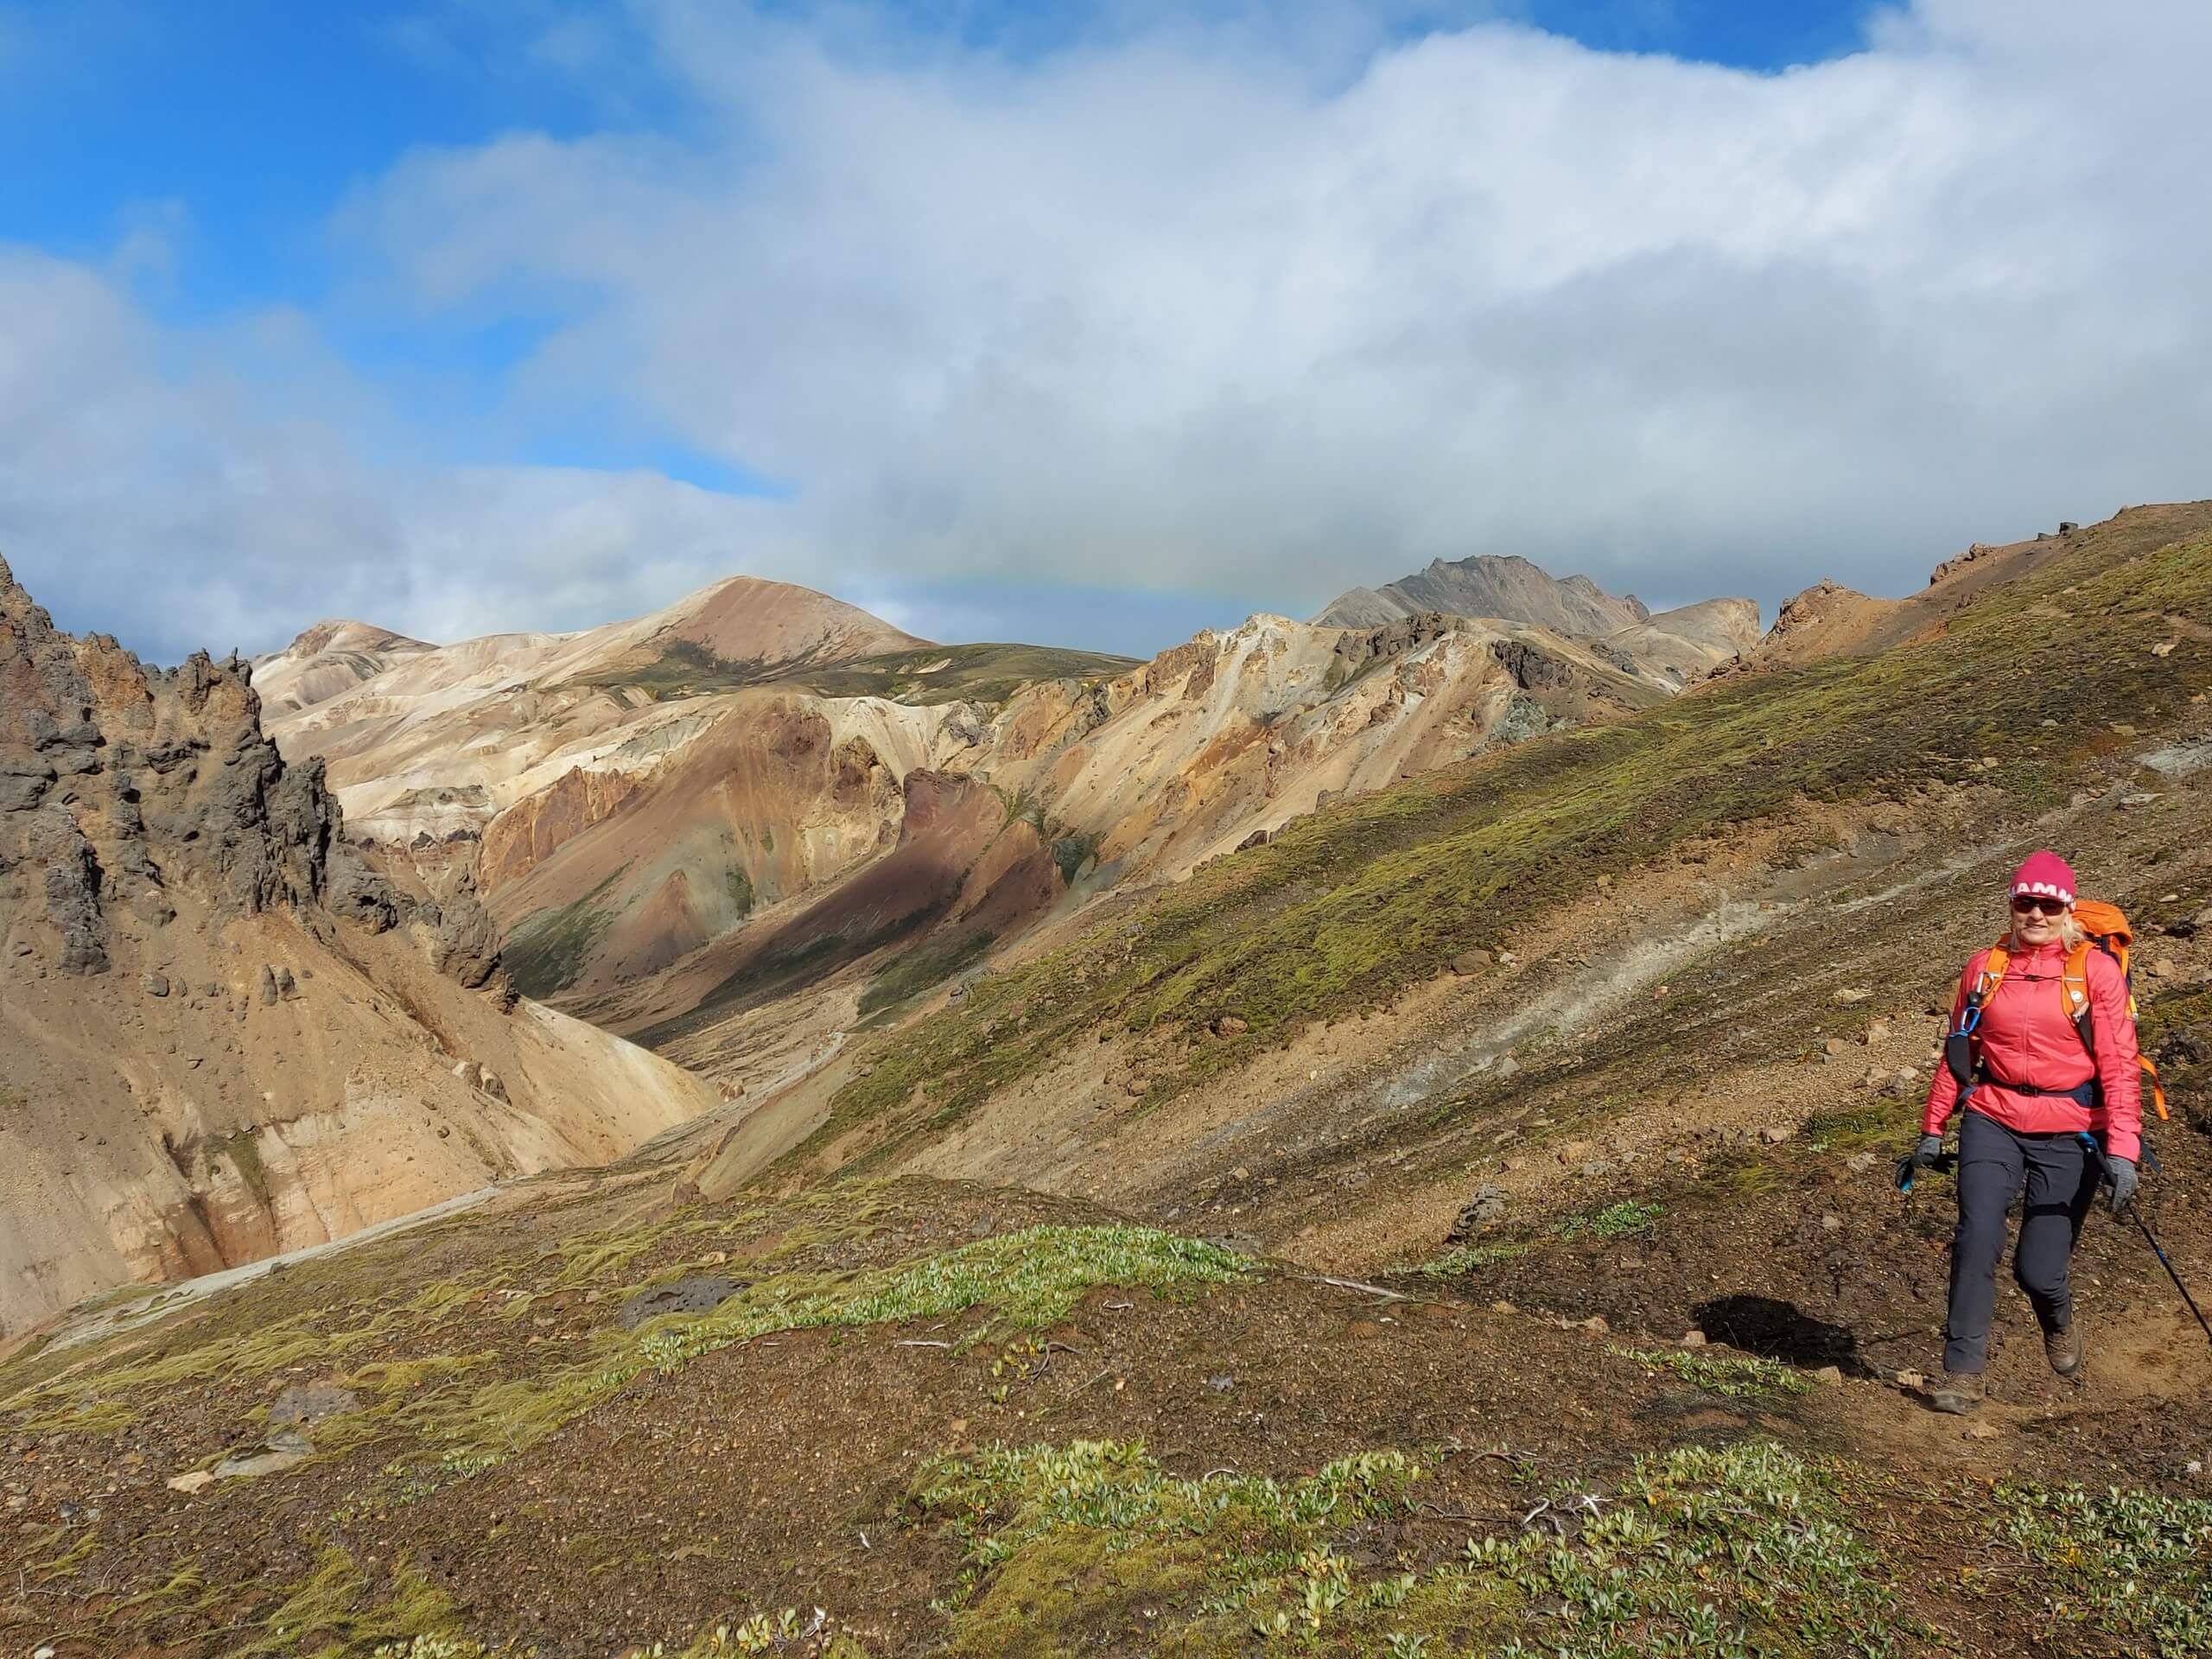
pixel 1993 971
pixel 2074 986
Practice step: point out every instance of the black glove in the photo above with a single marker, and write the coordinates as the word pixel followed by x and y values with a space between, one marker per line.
pixel 2120 1171
pixel 1923 1156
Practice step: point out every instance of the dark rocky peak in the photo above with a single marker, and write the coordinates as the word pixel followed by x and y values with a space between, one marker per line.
pixel 122 791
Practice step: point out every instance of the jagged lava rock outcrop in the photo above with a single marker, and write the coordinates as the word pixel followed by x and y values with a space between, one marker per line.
pixel 222 1034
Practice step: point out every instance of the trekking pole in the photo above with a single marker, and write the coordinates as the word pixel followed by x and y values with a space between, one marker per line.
pixel 2152 1239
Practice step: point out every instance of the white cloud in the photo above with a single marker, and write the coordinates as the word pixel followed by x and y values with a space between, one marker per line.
pixel 224 486
pixel 1160 307
pixel 1200 309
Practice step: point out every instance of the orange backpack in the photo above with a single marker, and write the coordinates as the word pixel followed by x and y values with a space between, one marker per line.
pixel 2108 929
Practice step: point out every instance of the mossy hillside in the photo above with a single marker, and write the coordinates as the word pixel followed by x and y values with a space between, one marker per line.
pixel 1030 1278
pixel 348 1313
pixel 376 1545
pixel 921 968
pixel 1350 906
pixel 467 1373
pixel 547 948
pixel 447 1414
pixel 1026 1280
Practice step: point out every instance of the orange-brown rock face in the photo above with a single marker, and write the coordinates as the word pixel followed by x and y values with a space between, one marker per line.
pixel 529 832
pixel 771 801
pixel 960 867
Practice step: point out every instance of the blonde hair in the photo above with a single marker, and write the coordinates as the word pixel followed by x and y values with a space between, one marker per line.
pixel 2071 934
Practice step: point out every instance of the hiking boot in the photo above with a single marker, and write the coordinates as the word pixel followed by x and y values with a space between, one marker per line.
pixel 2063 1350
pixel 1959 1393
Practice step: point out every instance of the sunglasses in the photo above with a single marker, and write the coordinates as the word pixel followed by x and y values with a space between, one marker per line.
pixel 2027 902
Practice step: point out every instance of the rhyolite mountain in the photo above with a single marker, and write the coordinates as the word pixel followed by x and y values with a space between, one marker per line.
pixel 686 812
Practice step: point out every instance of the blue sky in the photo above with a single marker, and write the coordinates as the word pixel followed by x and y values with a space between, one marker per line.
pixel 503 312
pixel 234 127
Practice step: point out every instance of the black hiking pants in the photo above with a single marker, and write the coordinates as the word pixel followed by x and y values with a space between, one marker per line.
pixel 2060 1175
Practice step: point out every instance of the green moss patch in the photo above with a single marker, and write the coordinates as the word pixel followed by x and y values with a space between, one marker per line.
pixel 1060 1539
pixel 243 1150
pixel 912 972
pixel 1465 1259
pixel 1854 1128
pixel 339 1612
pixel 1622 1220
pixel 1737 1375
pixel 1733 1552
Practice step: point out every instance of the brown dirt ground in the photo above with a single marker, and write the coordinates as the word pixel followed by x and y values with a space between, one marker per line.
pixel 776 1472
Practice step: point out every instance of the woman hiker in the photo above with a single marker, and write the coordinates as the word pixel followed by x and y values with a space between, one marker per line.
pixel 2034 1087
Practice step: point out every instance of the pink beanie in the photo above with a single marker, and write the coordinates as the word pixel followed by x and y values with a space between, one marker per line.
pixel 2045 876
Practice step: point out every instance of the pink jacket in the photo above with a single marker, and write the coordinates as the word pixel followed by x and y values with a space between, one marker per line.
pixel 2028 1036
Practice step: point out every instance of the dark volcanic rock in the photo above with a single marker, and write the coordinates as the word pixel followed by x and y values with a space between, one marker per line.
pixel 127 786
pixel 72 890
pixel 24 780
pixel 1382 644
pixel 1532 670
pixel 1486 1207
pixel 352 890
pixel 700 1294
pixel 464 945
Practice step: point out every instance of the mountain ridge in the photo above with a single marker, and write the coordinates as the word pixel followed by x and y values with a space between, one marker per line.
pixel 1672 648
pixel 1489 584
